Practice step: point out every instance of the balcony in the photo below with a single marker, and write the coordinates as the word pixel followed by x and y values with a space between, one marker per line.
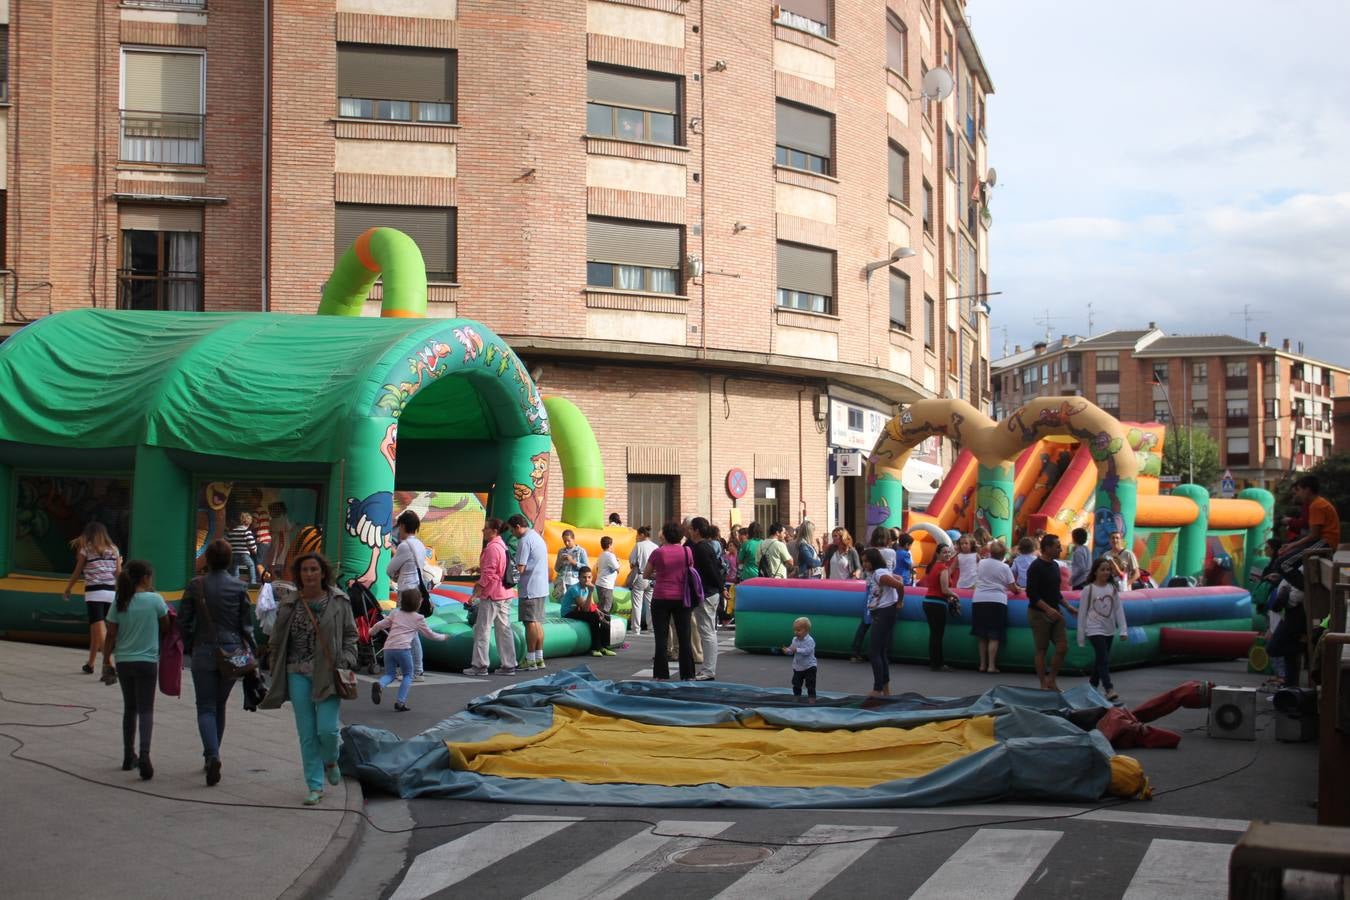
pixel 1236 419
pixel 170 139
pixel 168 4
pixel 175 291
pixel 1239 459
pixel 1235 382
pixel 1108 377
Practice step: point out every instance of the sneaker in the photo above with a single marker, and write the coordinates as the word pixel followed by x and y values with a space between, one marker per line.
pixel 597 653
pixel 419 677
pixel 502 670
pixel 375 691
pixel 213 771
pixel 475 671
pixel 704 676
pixel 605 651
pixel 398 707
pixel 312 798
pixel 1112 696
pixel 333 773
pixel 540 664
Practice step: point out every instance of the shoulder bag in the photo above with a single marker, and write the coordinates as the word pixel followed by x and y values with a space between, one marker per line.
pixel 693 582
pixel 230 665
pixel 344 680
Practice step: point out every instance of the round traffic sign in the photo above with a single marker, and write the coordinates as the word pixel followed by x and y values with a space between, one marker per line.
pixel 737 483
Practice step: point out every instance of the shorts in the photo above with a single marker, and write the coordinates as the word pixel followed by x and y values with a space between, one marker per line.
pixel 531 609
pixel 606 596
pixel 1044 632
pixel 96 610
pixel 989 620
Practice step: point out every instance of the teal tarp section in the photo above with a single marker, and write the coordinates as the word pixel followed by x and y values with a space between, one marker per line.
pixel 1047 749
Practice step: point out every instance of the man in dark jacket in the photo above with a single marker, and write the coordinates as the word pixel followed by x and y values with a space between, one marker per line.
pixel 709 568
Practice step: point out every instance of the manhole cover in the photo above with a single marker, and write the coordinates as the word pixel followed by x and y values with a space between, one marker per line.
pixel 721 855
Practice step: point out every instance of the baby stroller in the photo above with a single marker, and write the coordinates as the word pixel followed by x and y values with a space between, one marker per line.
pixel 367 613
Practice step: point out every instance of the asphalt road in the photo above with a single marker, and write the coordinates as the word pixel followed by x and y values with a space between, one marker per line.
pixel 1174 845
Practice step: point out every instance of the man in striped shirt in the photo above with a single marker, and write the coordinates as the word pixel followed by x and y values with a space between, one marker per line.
pixel 243 547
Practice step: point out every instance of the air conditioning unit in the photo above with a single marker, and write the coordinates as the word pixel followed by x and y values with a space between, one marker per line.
pixel 1232 713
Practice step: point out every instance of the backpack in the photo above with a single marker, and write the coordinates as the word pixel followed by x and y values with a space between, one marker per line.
pixel 510 577
pixel 763 564
pixel 722 565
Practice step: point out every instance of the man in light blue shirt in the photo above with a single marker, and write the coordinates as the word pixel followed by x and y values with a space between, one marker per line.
pixel 532 560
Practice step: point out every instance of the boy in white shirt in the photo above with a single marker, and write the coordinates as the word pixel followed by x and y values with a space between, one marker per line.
pixel 607 574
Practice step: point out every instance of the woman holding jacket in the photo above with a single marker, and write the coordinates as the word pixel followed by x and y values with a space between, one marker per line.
pixel 215 614
pixel 314 636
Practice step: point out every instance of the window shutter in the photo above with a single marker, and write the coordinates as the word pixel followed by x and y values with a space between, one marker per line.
pixel 160 218
pixel 433 228
pixel 396 73
pixel 896 182
pixel 633 244
pixel 815 10
pixel 632 90
pixel 802 129
pixel 806 269
pixel 162 82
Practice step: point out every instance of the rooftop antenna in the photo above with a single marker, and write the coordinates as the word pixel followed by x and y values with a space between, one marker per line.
pixel 1091 320
pixel 1049 322
pixel 1248 316
pixel 1004 329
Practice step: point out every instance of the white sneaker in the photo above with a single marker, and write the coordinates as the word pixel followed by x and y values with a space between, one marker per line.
pixel 540 664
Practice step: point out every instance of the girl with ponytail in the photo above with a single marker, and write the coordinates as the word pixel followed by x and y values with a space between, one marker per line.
pixel 138 619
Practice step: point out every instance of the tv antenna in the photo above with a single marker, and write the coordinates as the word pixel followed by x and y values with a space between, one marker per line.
pixel 1248 316
pixel 1091 321
pixel 1049 322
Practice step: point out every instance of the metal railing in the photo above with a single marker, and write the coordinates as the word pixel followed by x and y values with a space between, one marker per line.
pixel 168 4
pixel 174 139
pixel 164 290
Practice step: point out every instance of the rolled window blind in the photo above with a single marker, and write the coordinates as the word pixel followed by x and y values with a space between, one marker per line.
pixel 396 73
pixel 160 218
pixel 897 176
pixel 433 228
pixel 632 90
pixel 805 130
pixel 633 243
pixel 806 269
pixel 815 10
pixel 162 82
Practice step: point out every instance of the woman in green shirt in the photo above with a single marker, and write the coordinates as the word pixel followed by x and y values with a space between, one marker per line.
pixel 138 619
pixel 747 561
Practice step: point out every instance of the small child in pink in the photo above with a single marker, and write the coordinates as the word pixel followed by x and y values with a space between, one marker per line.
pixel 402 624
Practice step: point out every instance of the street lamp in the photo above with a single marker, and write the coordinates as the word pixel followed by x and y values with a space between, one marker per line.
pixel 899 254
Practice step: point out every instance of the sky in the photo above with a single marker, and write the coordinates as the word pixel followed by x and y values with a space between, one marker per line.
pixel 1171 162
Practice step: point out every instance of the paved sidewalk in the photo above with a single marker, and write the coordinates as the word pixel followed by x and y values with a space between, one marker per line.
pixel 65 837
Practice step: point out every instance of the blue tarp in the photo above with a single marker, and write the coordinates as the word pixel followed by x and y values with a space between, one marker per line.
pixel 1046 747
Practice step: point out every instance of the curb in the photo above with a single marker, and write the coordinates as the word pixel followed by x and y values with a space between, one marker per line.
pixel 323 874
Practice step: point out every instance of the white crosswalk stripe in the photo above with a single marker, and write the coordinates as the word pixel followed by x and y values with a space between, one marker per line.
pixel 993 865
pixel 450 863
pixel 625 866
pixel 812 868
pixel 1167 865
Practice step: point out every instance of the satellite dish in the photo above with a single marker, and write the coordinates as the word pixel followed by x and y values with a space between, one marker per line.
pixel 991 177
pixel 937 84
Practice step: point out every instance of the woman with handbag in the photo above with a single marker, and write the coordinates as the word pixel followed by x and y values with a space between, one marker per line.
pixel 668 568
pixel 313 665
pixel 216 619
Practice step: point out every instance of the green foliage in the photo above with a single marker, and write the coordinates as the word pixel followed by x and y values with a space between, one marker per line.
pixel 994 501
pixel 1182 444
pixel 1334 475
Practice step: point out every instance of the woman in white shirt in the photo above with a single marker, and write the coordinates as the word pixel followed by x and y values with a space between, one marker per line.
pixel 1101 613
pixel 966 560
pixel 885 596
pixel 405 568
pixel 994 583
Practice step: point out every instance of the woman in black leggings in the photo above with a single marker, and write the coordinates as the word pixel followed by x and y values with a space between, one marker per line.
pixel 885 596
pixel 137 621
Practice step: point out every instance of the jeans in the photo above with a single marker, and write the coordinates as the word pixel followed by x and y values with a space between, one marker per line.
pixel 212 691
pixel 705 619
pixel 663 611
pixel 599 630
pixel 936 614
pixel 138 681
pixel 1288 641
pixel 396 661
pixel 641 594
pixel 317 726
pixel 807 677
pixel 1101 664
pixel 883 623
pixel 244 561
pixel 494 614
pixel 859 636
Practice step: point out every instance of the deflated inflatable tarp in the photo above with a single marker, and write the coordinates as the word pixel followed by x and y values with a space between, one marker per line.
pixel 695 744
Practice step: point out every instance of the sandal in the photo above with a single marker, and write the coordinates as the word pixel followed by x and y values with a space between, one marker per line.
pixel 87 669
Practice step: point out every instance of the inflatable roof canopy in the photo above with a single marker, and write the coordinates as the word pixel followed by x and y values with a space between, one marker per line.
pixel 171 396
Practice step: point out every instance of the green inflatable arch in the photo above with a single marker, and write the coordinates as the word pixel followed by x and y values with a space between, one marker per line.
pixel 358 404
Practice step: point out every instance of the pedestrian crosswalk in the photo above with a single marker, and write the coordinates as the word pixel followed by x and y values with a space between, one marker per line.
pixel 538 857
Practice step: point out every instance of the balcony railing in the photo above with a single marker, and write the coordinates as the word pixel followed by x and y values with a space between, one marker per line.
pixel 168 4
pixel 173 139
pixel 1239 459
pixel 1237 420
pixel 1108 376
pixel 1235 382
pixel 175 291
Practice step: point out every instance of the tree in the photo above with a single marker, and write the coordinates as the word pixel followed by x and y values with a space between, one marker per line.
pixel 1192 454
pixel 1333 476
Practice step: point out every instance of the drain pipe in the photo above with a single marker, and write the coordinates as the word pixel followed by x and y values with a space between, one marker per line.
pixel 266 229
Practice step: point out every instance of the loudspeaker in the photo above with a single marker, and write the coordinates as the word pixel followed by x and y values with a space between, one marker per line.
pixel 1232 713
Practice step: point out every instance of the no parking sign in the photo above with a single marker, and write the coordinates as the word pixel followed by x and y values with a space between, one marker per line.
pixel 737 484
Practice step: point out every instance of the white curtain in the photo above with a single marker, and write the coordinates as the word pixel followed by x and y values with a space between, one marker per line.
pixel 630 278
pixel 182 289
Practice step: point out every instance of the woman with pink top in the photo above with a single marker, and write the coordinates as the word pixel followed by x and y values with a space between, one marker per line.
pixel 493 604
pixel 403 624
pixel 667 568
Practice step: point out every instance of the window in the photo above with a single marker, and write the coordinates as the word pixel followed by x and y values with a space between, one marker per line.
pixel 1272 449
pixel 632 106
pixel 899 300
pixel 897 37
pixel 805 15
pixel 1237 444
pixel 1161 411
pixel 927 207
pixel 805 138
pixel 770 497
pixel 927 101
pixel 4 62
pixel 397 84
pixel 4 223
pixel 949 150
pixel 633 256
pixel 1160 373
pixel 1108 362
pixel 1199 412
pixel 651 500
pixel 162 106
pixel 1236 369
pixel 805 278
pixel 433 228
pixel 1109 400
pixel 1272 407
pixel 161 258
pixel 897 182
pixel 1199 372
pixel 855 419
pixel 929 322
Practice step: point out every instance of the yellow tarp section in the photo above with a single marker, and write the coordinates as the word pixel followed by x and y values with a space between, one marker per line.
pixel 593 749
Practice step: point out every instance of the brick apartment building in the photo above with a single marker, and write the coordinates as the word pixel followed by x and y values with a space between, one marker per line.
pixel 1269 408
pixel 669 208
